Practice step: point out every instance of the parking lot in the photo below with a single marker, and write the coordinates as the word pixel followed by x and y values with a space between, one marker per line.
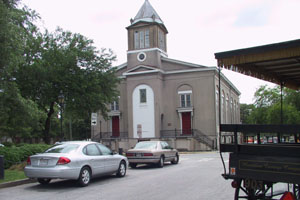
pixel 197 176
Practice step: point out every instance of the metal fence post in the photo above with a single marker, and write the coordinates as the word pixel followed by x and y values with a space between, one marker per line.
pixel 1 167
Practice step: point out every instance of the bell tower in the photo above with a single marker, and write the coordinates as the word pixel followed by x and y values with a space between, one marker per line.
pixel 147 38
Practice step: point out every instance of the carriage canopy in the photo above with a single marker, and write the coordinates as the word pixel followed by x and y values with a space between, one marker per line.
pixel 277 63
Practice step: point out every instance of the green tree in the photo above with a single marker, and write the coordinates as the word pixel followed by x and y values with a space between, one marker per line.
pixel 16 32
pixel 265 96
pixel 267 106
pixel 290 114
pixel 292 97
pixel 69 63
pixel 246 111
pixel 19 117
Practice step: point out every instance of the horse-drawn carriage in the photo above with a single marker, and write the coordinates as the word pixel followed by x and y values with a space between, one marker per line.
pixel 262 170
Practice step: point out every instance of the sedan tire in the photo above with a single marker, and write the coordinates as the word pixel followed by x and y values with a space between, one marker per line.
pixel 122 169
pixel 84 177
pixel 161 161
pixel 44 181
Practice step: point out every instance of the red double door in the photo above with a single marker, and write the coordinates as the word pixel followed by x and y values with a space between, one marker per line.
pixel 186 123
pixel 115 126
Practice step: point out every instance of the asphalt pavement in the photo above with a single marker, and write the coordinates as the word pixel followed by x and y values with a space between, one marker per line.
pixel 196 177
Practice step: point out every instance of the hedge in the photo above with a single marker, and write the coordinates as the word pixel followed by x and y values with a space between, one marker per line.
pixel 16 155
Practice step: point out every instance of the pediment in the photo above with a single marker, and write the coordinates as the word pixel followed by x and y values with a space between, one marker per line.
pixel 141 69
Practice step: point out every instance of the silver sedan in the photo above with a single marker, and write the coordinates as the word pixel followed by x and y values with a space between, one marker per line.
pixel 79 161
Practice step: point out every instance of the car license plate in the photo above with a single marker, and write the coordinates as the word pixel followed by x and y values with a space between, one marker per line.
pixel 138 155
pixel 43 162
pixel 253 184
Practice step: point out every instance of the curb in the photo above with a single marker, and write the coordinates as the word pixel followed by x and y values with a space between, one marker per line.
pixel 196 152
pixel 16 183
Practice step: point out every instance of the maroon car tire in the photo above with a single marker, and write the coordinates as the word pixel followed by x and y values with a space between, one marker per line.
pixel 133 165
pixel 176 159
pixel 161 161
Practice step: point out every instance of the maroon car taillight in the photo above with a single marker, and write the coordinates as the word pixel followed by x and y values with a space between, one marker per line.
pixel 129 154
pixel 148 154
pixel 28 161
pixel 63 161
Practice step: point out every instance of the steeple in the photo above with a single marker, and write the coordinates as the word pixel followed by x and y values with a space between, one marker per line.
pixel 147 14
pixel 147 30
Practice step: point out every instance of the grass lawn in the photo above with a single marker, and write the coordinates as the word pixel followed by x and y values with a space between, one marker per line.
pixel 12 175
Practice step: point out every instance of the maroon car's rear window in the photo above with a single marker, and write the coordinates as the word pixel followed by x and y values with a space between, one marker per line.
pixel 146 145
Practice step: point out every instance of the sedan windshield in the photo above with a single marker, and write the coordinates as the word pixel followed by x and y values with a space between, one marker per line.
pixel 146 145
pixel 62 148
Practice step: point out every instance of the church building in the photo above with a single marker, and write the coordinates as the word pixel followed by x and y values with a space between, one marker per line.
pixel 163 98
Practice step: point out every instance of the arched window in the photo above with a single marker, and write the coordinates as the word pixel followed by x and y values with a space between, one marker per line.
pixel 217 96
pixel 234 111
pixel 223 108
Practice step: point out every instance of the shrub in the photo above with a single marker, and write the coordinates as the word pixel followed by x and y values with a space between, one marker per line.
pixel 16 155
pixel 8 144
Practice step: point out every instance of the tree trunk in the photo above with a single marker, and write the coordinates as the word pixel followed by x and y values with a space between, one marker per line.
pixel 47 124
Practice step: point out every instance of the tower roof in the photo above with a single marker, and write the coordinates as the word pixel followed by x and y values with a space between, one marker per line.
pixel 147 14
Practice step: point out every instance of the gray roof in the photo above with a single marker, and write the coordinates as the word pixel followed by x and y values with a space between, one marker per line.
pixel 147 14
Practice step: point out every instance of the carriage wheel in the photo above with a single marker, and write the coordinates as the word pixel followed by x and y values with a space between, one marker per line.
pixel 296 191
pixel 254 193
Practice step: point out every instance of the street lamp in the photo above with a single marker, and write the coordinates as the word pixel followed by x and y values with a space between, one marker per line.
pixel 61 99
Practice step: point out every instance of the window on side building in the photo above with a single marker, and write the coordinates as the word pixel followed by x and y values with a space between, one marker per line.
pixel 185 100
pixel 115 106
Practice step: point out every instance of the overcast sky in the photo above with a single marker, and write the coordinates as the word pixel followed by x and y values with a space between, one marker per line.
pixel 197 28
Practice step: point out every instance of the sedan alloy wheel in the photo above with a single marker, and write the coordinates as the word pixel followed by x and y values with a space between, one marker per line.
pixel 84 177
pixel 122 169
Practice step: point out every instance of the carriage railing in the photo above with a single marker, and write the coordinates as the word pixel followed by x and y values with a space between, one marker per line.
pixel 233 135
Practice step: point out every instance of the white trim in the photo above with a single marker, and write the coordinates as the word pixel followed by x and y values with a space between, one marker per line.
pixel 191 70
pixel 114 113
pixel 144 72
pixel 143 113
pixel 185 109
pixel 138 56
pixel 140 66
pixel 121 66
pixel 152 70
pixel 185 92
pixel 178 72
pixel 163 53
pixel 121 77
pixel 180 118
pixel 159 21
pixel 128 73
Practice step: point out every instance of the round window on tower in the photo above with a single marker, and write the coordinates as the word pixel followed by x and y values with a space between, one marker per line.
pixel 141 57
